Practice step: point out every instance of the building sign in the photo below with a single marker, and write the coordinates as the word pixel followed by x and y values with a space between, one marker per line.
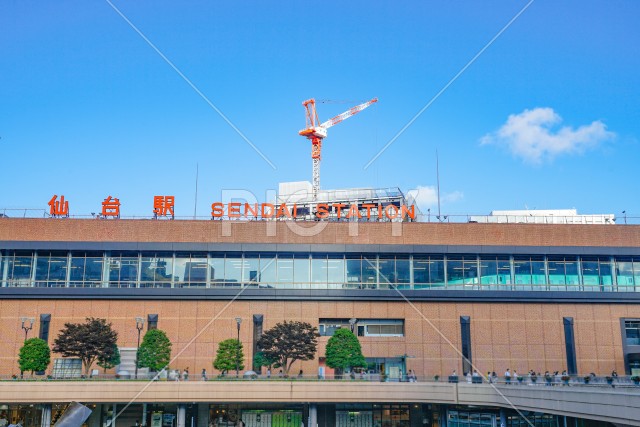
pixel 111 207
pixel 322 211
pixel 58 207
pixel 163 206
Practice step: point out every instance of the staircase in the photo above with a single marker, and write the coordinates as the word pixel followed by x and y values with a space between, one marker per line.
pixel 128 364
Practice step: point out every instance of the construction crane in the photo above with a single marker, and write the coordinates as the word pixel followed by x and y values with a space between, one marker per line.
pixel 316 132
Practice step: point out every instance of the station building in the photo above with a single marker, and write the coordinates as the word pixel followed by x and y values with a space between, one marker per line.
pixel 421 296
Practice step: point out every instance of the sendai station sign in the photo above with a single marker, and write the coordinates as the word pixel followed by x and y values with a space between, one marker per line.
pixel 163 206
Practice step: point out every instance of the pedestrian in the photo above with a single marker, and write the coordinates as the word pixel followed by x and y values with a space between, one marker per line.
pixel 268 373
pixel 280 374
pixel 185 374
pixel 204 374
pixel 489 378
pixel 300 374
pixel 468 376
pixel 507 376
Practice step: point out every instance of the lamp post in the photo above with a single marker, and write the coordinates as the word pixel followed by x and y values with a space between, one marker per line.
pixel 238 322
pixel 139 326
pixel 27 325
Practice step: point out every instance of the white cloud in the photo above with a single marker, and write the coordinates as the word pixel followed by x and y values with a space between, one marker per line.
pixel 426 196
pixel 531 135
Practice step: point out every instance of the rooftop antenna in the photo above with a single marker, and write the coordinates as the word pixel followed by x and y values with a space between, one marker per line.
pixel 195 204
pixel 438 184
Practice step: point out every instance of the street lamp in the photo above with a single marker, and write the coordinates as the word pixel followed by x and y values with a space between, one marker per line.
pixel 238 322
pixel 139 326
pixel 27 325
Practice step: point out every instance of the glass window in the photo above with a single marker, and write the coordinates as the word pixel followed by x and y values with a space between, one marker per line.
pixel 86 269
pixel 319 271
pixel 427 271
pixel 233 269
pixel 285 270
pixel 369 271
pixel 436 270
pixel 123 269
pixel 624 274
pixel 462 270
pixel 556 272
pixel 571 271
pixel 387 275
pixel 268 270
pixel 522 270
pixel 590 272
pixel 216 268
pixel 538 273
pixel 301 271
pixel 606 273
pixel 156 270
pixel 488 271
pixel 403 271
pixel 195 272
pixel 354 271
pixel 251 273
pixel 51 269
pixel 335 271
pixel 632 332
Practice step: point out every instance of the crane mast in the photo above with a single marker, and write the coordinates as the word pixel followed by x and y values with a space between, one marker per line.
pixel 316 132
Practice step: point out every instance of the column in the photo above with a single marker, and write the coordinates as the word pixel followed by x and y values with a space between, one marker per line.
pixel 180 416
pixel 45 419
pixel 94 418
pixel 313 415
pixel 203 415
pixel 144 414
pixel 503 418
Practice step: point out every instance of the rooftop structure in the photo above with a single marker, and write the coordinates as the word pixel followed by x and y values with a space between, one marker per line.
pixel 550 216
pixel 368 202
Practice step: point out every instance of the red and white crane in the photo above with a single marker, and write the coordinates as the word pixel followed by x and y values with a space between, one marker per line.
pixel 316 132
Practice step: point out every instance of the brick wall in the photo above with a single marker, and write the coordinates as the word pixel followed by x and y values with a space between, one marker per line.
pixel 519 336
pixel 91 230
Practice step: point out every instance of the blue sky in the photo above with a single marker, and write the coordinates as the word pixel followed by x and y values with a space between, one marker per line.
pixel 89 109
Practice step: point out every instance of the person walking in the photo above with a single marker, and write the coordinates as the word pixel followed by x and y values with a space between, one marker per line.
pixel 204 374
pixel 507 376
pixel 268 373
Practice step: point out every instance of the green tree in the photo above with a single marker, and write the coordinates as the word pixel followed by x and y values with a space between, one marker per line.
pixel 34 355
pixel 111 362
pixel 289 341
pixel 260 360
pixel 86 341
pixel 229 353
pixel 155 350
pixel 344 351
